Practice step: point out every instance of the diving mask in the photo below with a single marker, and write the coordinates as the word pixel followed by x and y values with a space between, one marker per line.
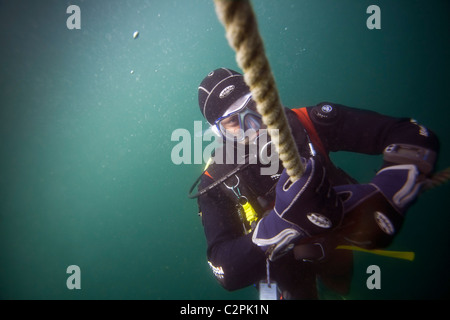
pixel 241 120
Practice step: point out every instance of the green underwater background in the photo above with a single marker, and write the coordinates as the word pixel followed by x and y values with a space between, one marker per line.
pixel 87 116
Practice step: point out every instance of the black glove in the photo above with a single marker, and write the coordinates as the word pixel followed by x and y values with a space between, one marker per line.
pixel 374 212
pixel 304 208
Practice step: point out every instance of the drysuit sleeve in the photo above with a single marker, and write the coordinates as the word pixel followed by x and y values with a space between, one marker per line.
pixel 341 128
pixel 235 261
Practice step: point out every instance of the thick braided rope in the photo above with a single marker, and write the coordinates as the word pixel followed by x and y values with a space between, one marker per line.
pixel 439 178
pixel 241 28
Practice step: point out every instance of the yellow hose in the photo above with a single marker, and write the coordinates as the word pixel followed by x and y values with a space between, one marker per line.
pixel 406 255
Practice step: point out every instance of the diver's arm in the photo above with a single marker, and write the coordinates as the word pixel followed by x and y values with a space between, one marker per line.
pixel 343 128
pixel 234 259
pixel 409 154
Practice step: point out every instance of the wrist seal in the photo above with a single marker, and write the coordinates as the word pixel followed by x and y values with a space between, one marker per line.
pixel 399 153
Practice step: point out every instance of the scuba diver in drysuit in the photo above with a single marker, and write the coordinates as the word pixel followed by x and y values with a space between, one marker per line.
pixel 262 228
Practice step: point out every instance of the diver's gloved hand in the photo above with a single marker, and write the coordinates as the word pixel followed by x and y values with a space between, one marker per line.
pixel 306 207
pixel 374 212
pixel 399 184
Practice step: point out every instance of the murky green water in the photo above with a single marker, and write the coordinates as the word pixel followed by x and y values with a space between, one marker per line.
pixel 86 117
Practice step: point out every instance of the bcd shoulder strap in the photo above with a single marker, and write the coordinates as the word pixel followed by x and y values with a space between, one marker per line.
pixel 303 117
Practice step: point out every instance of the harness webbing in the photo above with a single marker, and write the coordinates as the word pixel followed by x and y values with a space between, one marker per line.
pixel 303 116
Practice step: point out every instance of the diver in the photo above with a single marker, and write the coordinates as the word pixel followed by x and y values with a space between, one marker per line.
pixel 263 229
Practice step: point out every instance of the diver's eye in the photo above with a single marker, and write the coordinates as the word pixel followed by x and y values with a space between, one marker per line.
pixel 230 122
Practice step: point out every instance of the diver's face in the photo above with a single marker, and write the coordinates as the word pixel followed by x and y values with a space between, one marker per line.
pixel 241 122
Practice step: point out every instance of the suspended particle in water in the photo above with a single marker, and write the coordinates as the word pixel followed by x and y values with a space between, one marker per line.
pixel 135 34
